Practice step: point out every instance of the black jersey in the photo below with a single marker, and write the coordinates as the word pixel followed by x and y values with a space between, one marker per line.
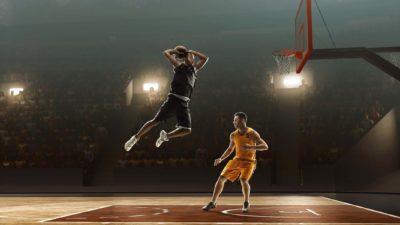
pixel 183 81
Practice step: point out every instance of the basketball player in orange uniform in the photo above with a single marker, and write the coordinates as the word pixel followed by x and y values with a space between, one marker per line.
pixel 246 141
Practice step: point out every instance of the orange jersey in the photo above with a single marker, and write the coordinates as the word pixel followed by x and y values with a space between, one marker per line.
pixel 240 140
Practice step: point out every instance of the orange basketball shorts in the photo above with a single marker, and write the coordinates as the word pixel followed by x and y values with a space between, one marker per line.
pixel 239 168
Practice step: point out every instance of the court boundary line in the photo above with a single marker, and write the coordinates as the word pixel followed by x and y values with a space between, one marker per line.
pixel 271 223
pixel 174 222
pixel 361 207
pixel 58 217
pixel 226 212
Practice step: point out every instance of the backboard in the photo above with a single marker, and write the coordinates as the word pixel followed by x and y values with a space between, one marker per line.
pixel 303 34
pixel 304 51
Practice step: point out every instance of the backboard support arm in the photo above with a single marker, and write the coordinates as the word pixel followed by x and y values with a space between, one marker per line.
pixel 368 54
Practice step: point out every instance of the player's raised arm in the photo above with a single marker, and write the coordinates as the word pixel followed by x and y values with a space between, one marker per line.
pixel 203 59
pixel 227 152
pixel 169 54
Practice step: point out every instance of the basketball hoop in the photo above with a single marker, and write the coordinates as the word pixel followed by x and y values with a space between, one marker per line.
pixel 284 59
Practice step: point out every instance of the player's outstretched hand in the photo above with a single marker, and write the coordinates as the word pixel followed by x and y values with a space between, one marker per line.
pixel 217 161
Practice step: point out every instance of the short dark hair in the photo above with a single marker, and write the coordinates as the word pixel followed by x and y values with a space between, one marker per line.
pixel 182 51
pixel 182 55
pixel 241 115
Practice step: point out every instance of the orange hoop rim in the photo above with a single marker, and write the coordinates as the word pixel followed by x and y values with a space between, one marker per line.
pixel 286 53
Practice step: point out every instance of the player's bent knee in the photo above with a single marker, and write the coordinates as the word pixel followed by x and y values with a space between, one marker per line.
pixel 154 122
pixel 186 130
pixel 222 179
pixel 244 181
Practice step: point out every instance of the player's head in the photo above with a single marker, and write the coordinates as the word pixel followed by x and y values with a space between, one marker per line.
pixel 183 54
pixel 239 119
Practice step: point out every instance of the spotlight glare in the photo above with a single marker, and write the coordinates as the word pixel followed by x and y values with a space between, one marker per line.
pixel 15 91
pixel 148 86
pixel 292 81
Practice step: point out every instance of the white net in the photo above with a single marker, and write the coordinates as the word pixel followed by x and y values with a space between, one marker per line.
pixel 283 60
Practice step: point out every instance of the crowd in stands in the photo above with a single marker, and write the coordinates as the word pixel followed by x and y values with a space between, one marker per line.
pixel 58 121
pixel 65 120
pixel 335 116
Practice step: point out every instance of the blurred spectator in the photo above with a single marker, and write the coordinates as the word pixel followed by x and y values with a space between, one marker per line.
pixel 201 157
pixel 366 123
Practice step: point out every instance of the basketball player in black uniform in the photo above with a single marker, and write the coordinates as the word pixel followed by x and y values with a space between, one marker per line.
pixel 177 103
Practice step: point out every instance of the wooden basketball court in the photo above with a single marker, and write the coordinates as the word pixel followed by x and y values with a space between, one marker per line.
pixel 283 209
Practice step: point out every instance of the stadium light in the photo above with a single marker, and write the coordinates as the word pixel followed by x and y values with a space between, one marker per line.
pixel 15 91
pixel 148 86
pixel 292 80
